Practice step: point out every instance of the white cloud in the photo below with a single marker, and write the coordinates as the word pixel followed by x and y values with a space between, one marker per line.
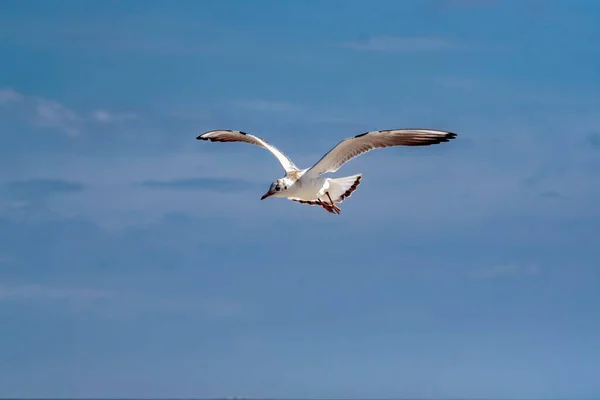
pixel 44 292
pixel 430 190
pixel 462 182
pixel 402 44
pixel 9 96
pixel 108 117
pixel 49 113
pixel 510 270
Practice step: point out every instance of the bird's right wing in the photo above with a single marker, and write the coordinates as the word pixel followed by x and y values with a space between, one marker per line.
pixel 237 136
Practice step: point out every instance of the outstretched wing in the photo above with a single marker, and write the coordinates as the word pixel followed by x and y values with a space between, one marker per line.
pixel 352 147
pixel 237 136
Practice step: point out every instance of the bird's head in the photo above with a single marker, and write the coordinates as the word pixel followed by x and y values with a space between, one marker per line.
pixel 276 188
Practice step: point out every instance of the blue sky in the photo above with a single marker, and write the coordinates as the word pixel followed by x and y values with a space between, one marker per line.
pixel 136 261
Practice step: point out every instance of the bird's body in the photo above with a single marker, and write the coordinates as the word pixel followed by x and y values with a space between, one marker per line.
pixel 309 186
pixel 297 185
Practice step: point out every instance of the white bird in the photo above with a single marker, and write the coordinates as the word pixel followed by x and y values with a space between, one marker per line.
pixel 309 186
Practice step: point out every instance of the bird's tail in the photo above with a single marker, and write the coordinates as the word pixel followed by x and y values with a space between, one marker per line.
pixel 341 188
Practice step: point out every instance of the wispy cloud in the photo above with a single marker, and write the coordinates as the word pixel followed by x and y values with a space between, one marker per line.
pixel 9 96
pixel 108 117
pixel 37 188
pixel 47 113
pixel 509 270
pixel 34 291
pixel 394 44
pixel 40 112
pixel 218 184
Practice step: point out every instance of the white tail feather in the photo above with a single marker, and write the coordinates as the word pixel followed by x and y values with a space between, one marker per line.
pixel 341 188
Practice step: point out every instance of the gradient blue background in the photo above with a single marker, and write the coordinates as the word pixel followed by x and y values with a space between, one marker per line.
pixel 137 261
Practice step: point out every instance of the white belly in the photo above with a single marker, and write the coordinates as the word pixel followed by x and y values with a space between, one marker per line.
pixel 305 189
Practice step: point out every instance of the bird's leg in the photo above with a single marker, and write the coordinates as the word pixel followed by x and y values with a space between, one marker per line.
pixel 336 208
pixel 326 206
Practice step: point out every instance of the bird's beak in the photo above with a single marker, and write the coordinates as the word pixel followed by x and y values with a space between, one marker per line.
pixel 266 195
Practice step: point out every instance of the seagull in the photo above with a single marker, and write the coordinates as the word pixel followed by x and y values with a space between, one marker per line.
pixel 309 186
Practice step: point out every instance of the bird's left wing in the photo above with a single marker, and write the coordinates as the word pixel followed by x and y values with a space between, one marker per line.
pixel 352 147
pixel 238 136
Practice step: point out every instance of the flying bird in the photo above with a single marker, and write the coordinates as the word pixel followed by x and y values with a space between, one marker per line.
pixel 309 186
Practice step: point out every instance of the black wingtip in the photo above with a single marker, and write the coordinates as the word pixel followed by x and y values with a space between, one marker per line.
pixel 448 135
pixel 200 137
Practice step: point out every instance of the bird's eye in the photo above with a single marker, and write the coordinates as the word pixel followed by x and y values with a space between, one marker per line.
pixel 277 188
